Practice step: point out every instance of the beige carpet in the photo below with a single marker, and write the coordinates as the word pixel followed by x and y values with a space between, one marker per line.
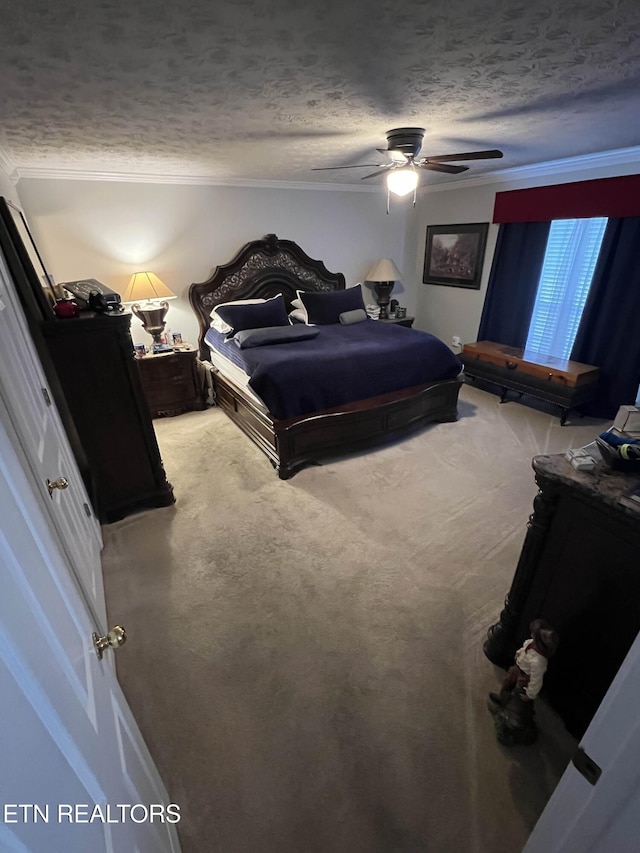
pixel 305 657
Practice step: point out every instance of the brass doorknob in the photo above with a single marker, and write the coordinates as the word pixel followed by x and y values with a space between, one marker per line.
pixel 60 483
pixel 114 639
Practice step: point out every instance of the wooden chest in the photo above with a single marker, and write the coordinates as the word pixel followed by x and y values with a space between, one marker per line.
pixel 554 380
pixel 558 370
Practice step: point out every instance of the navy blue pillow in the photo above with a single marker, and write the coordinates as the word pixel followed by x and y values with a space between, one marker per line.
pixel 273 312
pixel 326 307
pixel 248 338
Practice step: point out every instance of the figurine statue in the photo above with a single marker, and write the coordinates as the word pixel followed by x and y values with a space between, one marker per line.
pixel 513 708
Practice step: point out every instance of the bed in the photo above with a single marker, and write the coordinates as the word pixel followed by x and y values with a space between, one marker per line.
pixel 262 269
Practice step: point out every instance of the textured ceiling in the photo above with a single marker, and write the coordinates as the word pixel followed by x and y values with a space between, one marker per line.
pixel 266 89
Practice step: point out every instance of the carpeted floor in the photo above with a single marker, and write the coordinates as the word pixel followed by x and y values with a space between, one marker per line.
pixel 305 657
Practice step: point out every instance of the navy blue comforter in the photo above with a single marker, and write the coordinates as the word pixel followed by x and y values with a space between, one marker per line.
pixel 341 365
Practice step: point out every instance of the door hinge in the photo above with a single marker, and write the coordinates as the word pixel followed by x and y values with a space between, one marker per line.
pixel 87 510
pixel 586 766
pixel 46 396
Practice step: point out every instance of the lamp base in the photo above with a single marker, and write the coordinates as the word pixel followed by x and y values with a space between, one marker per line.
pixel 152 319
pixel 383 295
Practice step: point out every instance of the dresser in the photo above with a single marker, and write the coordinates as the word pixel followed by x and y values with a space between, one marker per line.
pixel 580 570
pixel 93 358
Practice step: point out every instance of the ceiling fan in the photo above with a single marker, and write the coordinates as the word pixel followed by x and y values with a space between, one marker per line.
pixel 403 147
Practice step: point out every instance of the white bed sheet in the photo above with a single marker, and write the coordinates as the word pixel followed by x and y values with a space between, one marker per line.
pixel 235 374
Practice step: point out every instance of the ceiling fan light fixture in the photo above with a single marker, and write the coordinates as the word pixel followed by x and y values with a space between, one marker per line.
pixel 402 181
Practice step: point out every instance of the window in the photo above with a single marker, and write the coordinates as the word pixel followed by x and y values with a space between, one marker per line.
pixel 570 259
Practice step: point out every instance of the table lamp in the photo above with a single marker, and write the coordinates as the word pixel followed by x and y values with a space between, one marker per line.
pixel 147 287
pixel 384 275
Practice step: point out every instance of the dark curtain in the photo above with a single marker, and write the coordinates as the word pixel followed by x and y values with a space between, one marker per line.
pixel 609 331
pixel 513 283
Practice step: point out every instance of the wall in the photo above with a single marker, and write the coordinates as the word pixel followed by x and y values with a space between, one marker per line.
pixel 7 188
pixel 448 311
pixel 108 230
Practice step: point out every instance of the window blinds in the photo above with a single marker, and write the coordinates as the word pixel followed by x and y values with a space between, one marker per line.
pixel 569 262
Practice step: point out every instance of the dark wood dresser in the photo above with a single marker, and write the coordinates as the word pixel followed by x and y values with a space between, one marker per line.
pixel 93 358
pixel 579 568
pixel 171 382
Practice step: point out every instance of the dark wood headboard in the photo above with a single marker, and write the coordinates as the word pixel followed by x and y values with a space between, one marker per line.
pixel 262 268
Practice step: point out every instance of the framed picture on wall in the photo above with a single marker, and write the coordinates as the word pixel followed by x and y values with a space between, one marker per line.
pixel 20 248
pixel 454 254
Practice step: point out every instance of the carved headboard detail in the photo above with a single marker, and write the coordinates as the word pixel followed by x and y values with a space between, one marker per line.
pixel 262 268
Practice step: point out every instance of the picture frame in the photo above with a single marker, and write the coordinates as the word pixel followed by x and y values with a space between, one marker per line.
pixel 454 254
pixel 25 261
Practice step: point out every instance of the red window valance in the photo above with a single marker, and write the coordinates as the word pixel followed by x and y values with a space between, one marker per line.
pixel 580 200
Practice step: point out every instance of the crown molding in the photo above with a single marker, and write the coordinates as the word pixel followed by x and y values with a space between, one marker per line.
pixel 618 158
pixel 7 166
pixel 563 168
pixel 52 173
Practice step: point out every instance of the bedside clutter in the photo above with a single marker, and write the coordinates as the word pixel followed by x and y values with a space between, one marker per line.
pixel 620 450
pixel 399 321
pixel 399 317
pixel 628 420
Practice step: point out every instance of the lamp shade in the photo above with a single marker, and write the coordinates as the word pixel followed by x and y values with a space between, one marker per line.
pixel 402 181
pixel 384 270
pixel 146 285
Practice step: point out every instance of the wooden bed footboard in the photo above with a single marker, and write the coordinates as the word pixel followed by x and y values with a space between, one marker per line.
pixel 293 443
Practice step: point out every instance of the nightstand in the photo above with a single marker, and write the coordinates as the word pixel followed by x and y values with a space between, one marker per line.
pixel 171 382
pixel 400 321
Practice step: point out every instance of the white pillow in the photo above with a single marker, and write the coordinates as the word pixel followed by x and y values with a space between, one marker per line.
pixel 299 315
pixel 219 324
pixel 298 304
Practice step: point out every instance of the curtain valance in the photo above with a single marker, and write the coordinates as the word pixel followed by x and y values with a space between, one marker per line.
pixel 612 197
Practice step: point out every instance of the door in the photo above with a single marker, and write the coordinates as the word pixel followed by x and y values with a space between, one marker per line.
pixel 37 423
pixel 75 772
pixel 68 741
pixel 605 817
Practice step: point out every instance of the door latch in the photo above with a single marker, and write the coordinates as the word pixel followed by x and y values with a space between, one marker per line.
pixel 586 766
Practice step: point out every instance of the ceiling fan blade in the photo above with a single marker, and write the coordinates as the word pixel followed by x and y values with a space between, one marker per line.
pixel 358 166
pixel 443 167
pixel 493 154
pixel 379 172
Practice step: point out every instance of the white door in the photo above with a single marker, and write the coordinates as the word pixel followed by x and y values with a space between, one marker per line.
pixel 605 817
pixel 37 423
pixel 68 741
pixel 75 774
